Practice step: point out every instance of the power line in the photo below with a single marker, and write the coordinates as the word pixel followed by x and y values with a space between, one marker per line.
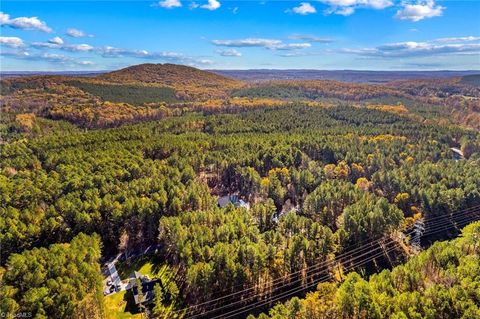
pixel 444 227
pixel 311 268
pixel 367 251
pixel 294 291
pixel 281 280
pixel 277 279
pixel 308 271
pixel 323 265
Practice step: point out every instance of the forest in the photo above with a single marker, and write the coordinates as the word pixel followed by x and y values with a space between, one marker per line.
pixel 333 173
pixel 441 282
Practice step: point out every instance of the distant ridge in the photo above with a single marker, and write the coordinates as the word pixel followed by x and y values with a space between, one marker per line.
pixel 473 79
pixel 340 75
pixel 174 75
pixel 164 74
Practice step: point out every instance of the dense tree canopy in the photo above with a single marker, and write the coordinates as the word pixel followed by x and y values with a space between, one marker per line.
pixel 61 281
pixel 323 166
pixel 441 282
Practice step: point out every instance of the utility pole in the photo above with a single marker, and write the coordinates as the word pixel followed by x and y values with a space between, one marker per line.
pixel 418 230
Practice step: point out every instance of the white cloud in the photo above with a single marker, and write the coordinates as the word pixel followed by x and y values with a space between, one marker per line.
pixel 347 7
pixel 4 18
pixel 457 39
pixel 56 40
pixel 193 5
pixel 78 47
pixel 230 53
pixel 112 52
pixel 375 4
pixel 58 43
pixel 15 54
pixel 310 38
pixel 166 56
pixel 419 11
pixel 249 42
pixel 271 44
pixel 49 57
pixel 304 8
pixel 54 43
pixel 442 46
pixel 108 52
pixel 203 62
pixel 291 46
pixel 86 63
pixel 45 45
pixel 11 42
pixel 24 23
pixel 75 33
pixel 54 57
pixel 346 11
pixel 211 5
pixel 294 54
pixel 169 4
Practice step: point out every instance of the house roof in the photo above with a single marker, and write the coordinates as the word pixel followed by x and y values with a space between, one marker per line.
pixel 135 275
pixel 114 274
pixel 243 203
pixel 223 201
pixel 457 151
pixel 147 291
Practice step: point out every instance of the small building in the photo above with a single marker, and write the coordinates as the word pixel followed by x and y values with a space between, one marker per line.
pixel 287 208
pixel 148 294
pixel 114 281
pixel 234 200
pixel 457 153
pixel 276 216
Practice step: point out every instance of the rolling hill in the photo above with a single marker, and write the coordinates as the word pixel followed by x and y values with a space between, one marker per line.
pixel 137 93
pixel 187 81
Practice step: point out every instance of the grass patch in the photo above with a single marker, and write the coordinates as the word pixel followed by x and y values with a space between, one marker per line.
pixel 146 265
pixel 121 305
pixel 132 94
pixel 118 307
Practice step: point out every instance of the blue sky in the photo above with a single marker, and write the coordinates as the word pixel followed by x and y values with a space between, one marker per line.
pixel 320 34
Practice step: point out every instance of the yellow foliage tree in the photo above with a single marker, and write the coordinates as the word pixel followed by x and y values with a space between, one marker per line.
pixel 363 183
pixel 26 122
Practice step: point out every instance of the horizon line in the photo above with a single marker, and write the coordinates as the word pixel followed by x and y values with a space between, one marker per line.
pixel 252 69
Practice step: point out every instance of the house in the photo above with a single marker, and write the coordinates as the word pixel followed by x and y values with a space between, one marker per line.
pixel 287 208
pixel 233 199
pixel 148 294
pixel 114 283
pixel 457 153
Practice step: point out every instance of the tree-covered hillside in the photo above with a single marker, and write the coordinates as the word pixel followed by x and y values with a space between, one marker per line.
pixel 153 91
pixel 189 82
pixel 132 94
